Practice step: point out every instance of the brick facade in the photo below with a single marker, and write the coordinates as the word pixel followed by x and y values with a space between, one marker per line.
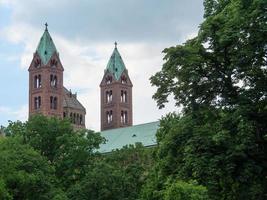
pixel 44 89
pixel 116 105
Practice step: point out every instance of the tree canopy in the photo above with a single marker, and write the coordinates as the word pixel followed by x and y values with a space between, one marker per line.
pixel 25 174
pixel 67 163
pixel 225 65
pixel 219 78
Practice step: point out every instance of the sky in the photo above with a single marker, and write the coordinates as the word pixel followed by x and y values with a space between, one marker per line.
pixel 84 32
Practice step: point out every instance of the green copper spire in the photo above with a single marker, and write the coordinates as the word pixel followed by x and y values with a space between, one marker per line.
pixel 115 64
pixel 46 47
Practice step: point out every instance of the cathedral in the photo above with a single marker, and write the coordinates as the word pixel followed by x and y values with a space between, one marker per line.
pixel 49 97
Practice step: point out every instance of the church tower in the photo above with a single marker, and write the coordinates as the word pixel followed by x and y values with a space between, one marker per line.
pixel 46 79
pixel 116 94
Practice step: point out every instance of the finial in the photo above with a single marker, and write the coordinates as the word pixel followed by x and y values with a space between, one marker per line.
pixel 46 25
pixel 115 44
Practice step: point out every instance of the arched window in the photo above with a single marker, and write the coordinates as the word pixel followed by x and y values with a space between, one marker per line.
pixel 109 116
pixel 53 80
pixel 37 63
pixel 77 119
pixel 53 103
pixel 74 118
pixel 81 119
pixel 123 80
pixel 123 96
pixel 37 81
pixel 109 96
pixel 37 103
pixel 53 63
pixel 108 79
pixel 124 117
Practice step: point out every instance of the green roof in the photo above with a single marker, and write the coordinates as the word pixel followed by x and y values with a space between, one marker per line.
pixel 115 64
pixel 46 47
pixel 120 137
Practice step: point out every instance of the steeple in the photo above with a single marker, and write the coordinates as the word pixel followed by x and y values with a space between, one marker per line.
pixel 115 64
pixel 116 94
pixel 46 47
pixel 46 79
pixel 47 95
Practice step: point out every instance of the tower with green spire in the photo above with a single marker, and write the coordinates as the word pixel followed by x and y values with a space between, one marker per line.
pixel 46 79
pixel 116 94
pixel 47 95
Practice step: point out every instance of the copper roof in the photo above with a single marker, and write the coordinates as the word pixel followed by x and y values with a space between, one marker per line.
pixel 46 47
pixel 115 64
pixel 120 137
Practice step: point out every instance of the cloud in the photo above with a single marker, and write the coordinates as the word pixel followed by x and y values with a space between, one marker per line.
pixel 20 114
pixel 4 109
pixel 84 33
pixel 105 20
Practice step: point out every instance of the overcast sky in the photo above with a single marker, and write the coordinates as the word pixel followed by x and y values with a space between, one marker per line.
pixel 84 33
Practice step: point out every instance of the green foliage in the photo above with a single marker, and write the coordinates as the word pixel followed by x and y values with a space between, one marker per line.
pixel 118 175
pixel 134 162
pixel 14 128
pixel 4 194
pixel 102 182
pixel 225 65
pixel 24 173
pixel 78 169
pixel 185 191
pixel 220 78
pixel 69 151
pixel 219 150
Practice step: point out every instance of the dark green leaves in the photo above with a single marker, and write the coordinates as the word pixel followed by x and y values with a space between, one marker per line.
pixel 225 65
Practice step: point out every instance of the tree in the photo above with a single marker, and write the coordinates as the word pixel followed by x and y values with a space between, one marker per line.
pixel 225 65
pixel 118 175
pixel 219 77
pixel 69 151
pixel 185 191
pixel 4 194
pixel 134 162
pixel 219 153
pixel 102 182
pixel 25 174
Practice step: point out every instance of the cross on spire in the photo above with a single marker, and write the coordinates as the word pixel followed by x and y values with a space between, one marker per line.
pixel 46 25
pixel 116 44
